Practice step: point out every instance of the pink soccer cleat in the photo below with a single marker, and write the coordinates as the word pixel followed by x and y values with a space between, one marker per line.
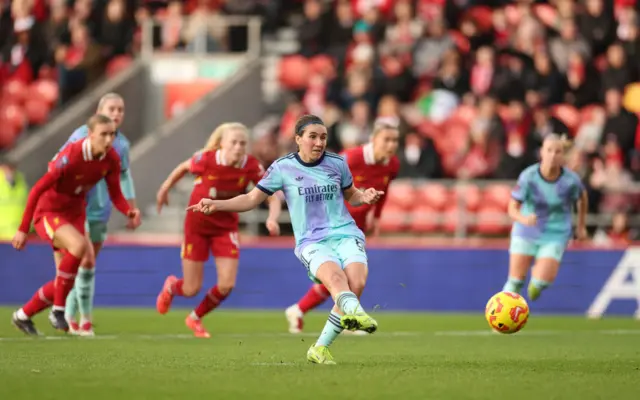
pixel 196 326
pixel 163 303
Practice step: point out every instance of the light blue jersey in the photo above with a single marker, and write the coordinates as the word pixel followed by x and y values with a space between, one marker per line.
pixel 323 228
pixel 98 202
pixel 551 201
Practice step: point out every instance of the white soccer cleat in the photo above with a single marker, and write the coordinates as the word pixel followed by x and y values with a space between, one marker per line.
pixel 86 330
pixel 74 327
pixel 294 318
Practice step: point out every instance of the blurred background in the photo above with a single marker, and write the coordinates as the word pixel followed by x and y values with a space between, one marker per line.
pixel 477 85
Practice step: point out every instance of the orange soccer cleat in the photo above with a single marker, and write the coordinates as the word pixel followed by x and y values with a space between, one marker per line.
pixel 163 303
pixel 196 326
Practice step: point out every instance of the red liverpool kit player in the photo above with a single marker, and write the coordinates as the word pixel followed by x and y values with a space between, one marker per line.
pixel 56 204
pixel 223 170
pixel 372 165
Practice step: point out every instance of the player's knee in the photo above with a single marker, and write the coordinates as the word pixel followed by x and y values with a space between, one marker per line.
pixel 78 248
pixel 190 289
pixel 337 281
pixel 88 262
pixel 357 285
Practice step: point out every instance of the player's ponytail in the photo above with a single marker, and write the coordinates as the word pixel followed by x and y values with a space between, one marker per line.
pixel 215 140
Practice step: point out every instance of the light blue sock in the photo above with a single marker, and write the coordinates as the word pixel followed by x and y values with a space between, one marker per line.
pixel 539 283
pixel 85 288
pixel 348 303
pixel 71 306
pixel 331 330
pixel 513 285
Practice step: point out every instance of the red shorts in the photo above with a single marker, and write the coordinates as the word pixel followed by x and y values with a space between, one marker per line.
pixel 48 223
pixel 196 246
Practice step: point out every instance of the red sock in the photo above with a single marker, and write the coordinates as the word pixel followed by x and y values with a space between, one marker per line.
pixel 64 280
pixel 210 302
pixel 316 295
pixel 41 300
pixel 176 288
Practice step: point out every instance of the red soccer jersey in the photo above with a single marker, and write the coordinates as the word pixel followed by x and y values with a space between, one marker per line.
pixel 217 180
pixel 369 174
pixel 71 174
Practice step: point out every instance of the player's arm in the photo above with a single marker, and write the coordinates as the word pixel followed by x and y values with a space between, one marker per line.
pixel 353 195
pixel 126 180
pixel 583 208
pixel 518 195
pixel 115 192
pixel 270 183
pixel 162 197
pixel 275 209
pixel 43 184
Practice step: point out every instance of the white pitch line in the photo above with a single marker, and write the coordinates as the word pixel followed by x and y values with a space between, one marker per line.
pixel 484 332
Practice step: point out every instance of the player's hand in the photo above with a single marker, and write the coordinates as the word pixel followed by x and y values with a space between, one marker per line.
pixel 273 227
pixel 530 220
pixel 134 219
pixel 581 233
pixel 162 199
pixel 19 240
pixel 371 196
pixel 205 206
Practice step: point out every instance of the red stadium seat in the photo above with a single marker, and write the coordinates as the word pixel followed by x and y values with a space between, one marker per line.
pixel 13 115
pixel 482 15
pixel 452 218
pixel 467 196
pixel 294 72
pixel 433 195
pixel 424 219
pixel 47 72
pixel 118 64
pixel 461 41
pixel 402 194
pixel 587 112
pixel 546 13
pixel 46 89
pixel 393 219
pixel 497 195
pixel 15 90
pixel 491 220
pixel 8 134
pixel 37 111
pixel 323 65
pixel 568 114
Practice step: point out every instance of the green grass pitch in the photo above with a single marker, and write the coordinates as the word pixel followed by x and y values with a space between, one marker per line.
pixel 141 355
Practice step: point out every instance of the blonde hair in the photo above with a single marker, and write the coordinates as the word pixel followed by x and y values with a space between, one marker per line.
pixel 385 123
pixel 215 140
pixel 97 119
pixel 107 97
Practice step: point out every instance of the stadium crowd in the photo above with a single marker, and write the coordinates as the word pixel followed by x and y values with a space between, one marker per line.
pixel 477 85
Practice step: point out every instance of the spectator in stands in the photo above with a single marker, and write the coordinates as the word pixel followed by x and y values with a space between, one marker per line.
pixel 419 158
pixel 403 32
pixel 589 134
pixel 549 83
pixel 356 130
pixel 116 31
pixel 583 82
pixel 79 64
pixel 620 125
pixel 57 26
pixel 24 52
pixel 172 25
pixel 206 24
pixel 543 125
pixel 430 49
pixel 394 78
pixel 597 25
pixel 569 42
pixel 5 22
pixel 617 74
pixel 310 32
pixel 338 30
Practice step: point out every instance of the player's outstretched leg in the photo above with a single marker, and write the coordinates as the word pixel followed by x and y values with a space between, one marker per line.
pixel 353 316
pixel 41 300
pixel 545 270
pixel 521 253
pixel 315 296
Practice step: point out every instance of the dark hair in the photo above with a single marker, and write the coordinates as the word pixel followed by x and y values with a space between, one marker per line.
pixel 97 119
pixel 305 121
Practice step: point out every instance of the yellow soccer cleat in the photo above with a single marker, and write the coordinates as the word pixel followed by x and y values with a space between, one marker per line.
pixel 320 355
pixel 359 322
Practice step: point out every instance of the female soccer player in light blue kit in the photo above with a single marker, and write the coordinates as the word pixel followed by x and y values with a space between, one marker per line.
pixel 328 242
pixel 541 207
pixel 98 213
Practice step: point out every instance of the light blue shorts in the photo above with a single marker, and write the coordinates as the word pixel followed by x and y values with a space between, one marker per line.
pixel 97 231
pixel 538 249
pixel 342 251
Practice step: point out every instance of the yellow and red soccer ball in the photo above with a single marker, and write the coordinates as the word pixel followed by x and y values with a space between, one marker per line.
pixel 507 312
